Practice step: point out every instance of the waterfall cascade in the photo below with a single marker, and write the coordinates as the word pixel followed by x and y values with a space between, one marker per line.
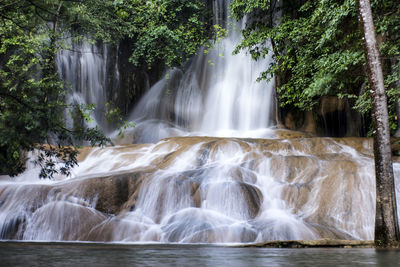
pixel 217 95
pixel 201 189
pixel 92 76
pixel 255 184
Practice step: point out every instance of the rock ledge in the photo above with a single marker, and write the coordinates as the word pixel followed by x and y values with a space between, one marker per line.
pixel 320 243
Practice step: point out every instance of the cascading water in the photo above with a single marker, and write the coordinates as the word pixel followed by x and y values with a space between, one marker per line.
pixel 87 70
pixel 200 189
pixel 218 94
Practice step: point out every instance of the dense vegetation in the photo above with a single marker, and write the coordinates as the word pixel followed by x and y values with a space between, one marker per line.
pixel 32 96
pixel 318 49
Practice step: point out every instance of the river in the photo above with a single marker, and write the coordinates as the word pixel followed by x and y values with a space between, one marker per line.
pixel 98 254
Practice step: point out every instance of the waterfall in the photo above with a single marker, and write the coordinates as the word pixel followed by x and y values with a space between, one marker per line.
pixel 216 95
pixel 181 182
pixel 201 190
pixel 91 74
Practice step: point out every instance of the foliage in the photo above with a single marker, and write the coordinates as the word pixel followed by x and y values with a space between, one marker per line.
pixel 318 48
pixel 163 31
pixel 113 115
pixel 32 96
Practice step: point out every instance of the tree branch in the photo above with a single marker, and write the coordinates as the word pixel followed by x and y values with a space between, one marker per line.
pixel 17 24
pixel 21 102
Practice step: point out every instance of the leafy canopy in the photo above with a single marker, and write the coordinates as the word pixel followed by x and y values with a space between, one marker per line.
pixel 164 31
pixel 318 48
pixel 33 109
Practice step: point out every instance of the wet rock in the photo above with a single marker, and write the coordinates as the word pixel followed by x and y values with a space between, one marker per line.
pixel 205 226
pixel 289 121
pixel 329 104
pixel 297 170
pixel 286 134
pixel 222 235
pixel 253 197
pixel 235 199
pixel 330 232
pixel 242 174
pixel 319 243
pixel 13 228
pixel 309 125
pixel 195 194
pixel 67 221
pixel 17 203
pixel 108 193
pixel 198 189
pixel 128 227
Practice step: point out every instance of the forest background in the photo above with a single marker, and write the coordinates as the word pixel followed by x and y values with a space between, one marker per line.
pixel 317 46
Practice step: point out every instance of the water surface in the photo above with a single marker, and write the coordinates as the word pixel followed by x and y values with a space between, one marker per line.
pixel 90 254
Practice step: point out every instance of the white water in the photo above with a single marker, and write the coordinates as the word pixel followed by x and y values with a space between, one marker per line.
pixel 217 95
pixel 197 189
pixel 201 190
pixel 85 69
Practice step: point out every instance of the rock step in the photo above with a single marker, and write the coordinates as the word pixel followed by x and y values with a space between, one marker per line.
pixel 319 243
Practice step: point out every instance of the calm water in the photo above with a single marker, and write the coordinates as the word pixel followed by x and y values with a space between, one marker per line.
pixel 73 254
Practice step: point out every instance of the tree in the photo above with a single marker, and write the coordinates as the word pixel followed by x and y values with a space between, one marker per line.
pixel 318 50
pixel 164 31
pixel 33 109
pixel 32 105
pixel 386 221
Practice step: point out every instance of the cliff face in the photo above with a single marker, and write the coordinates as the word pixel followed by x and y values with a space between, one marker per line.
pixel 332 117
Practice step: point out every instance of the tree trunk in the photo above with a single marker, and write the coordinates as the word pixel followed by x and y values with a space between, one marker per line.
pixel 397 134
pixel 386 222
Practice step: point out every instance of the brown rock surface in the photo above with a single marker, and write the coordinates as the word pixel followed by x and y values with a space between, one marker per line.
pixel 320 243
pixel 109 192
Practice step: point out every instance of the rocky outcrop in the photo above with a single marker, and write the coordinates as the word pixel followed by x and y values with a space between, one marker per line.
pixel 203 189
pixel 320 243
pixel 109 195
pixel 332 116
